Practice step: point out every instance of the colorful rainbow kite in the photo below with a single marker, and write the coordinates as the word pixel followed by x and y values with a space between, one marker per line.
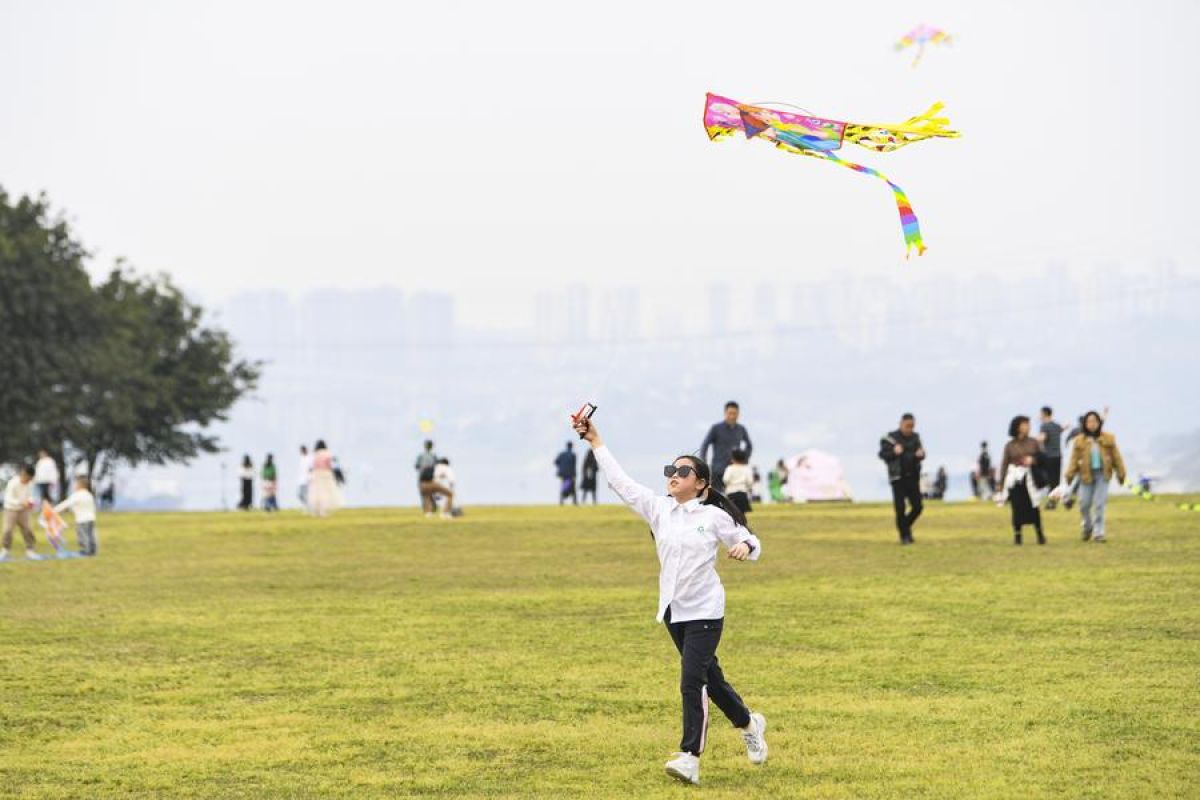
pixel 818 138
pixel 920 36
pixel 54 526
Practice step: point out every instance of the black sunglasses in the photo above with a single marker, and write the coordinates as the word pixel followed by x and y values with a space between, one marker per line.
pixel 670 470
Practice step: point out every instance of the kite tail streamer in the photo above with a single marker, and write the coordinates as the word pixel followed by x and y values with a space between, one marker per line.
pixel 908 219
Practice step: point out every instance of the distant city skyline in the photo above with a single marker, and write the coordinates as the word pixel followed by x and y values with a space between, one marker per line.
pixel 364 368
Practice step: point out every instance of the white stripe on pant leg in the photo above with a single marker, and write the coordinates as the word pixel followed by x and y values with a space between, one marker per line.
pixel 704 724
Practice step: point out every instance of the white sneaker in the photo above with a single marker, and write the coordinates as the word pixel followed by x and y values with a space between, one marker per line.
pixel 33 556
pixel 3 555
pixel 684 767
pixel 756 745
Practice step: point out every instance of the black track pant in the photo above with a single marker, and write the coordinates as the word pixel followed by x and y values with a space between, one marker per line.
pixel 701 679
pixel 907 489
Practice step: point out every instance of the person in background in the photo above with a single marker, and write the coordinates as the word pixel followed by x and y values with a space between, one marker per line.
pixel 443 475
pixel 1071 487
pixel 82 503
pixel 18 505
pixel 739 481
pixel 1095 458
pixel 724 437
pixel 304 475
pixel 940 482
pixel 108 495
pixel 985 482
pixel 1050 435
pixel 45 477
pixel 246 473
pixel 1016 479
pixel 776 480
pixel 323 495
pixel 426 461
pixel 756 487
pixel 591 470
pixel 903 453
pixel 431 490
pixel 564 468
pixel 270 484
pixel 339 477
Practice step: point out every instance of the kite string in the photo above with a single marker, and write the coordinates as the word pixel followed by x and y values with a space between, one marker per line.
pixel 780 103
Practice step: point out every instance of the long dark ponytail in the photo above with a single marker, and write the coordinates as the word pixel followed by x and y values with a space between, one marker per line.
pixel 714 498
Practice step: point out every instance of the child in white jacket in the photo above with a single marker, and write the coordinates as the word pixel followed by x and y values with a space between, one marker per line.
pixel 83 504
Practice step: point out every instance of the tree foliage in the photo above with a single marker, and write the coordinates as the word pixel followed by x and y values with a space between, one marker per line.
pixel 123 371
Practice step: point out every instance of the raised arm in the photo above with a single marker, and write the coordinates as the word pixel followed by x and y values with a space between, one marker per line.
pixel 633 494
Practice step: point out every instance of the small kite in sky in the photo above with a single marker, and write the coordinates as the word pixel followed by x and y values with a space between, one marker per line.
pixel 920 36
pixel 818 138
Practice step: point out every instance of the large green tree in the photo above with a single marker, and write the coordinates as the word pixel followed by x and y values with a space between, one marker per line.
pixel 125 371
pixel 159 378
pixel 47 321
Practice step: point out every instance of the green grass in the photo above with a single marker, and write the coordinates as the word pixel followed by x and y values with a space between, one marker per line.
pixel 513 653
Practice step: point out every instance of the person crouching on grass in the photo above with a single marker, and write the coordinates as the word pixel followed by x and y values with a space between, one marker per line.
pixel 688 527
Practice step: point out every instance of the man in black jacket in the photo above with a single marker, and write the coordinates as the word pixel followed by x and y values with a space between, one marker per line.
pixel 901 450
pixel 725 437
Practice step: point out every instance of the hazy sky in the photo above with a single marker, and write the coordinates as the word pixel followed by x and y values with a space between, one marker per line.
pixel 481 145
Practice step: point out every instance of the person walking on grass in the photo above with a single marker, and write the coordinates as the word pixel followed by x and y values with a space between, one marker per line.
pixel 903 453
pixel 246 473
pixel 724 437
pixel 689 526
pixel 18 505
pixel 82 503
pixel 564 468
pixel 1017 480
pixel 590 471
pixel 323 495
pixel 304 475
pixel 1095 459
pixel 270 484
pixel 424 465
pixel 45 477
pixel 1050 435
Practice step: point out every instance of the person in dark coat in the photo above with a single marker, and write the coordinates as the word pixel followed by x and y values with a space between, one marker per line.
pixel 903 453
pixel 725 437
pixel 1018 478
pixel 565 468
pixel 591 470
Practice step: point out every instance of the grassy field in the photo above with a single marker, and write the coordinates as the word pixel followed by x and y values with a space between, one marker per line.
pixel 513 653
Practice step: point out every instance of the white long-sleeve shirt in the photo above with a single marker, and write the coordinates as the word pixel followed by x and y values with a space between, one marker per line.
pixel 16 494
pixel 45 470
pixel 442 474
pixel 738 478
pixel 304 469
pixel 688 537
pixel 82 502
